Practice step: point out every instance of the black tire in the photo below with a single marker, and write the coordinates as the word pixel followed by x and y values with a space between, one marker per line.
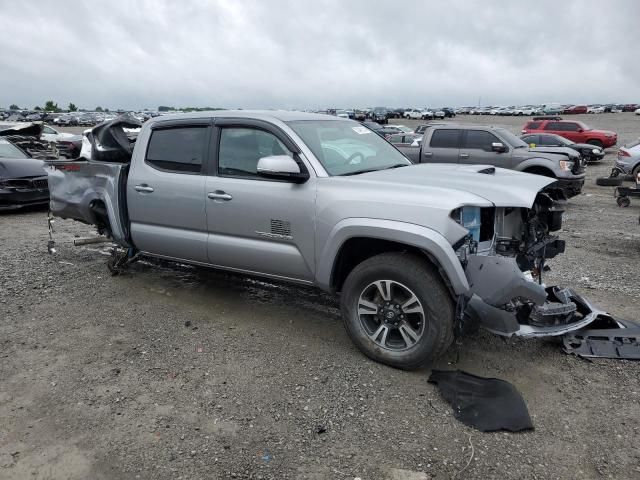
pixel 635 172
pixel 609 181
pixel 425 283
pixel 623 202
pixel 595 143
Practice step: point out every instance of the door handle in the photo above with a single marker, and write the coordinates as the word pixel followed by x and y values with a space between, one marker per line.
pixel 464 155
pixel 143 188
pixel 219 195
pixel 427 154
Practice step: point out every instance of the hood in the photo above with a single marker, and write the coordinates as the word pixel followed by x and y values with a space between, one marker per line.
pixel 21 167
pixel 567 151
pixel 25 129
pixel 457 184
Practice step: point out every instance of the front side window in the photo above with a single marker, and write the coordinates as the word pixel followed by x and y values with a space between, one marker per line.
pixel 445 138
pixel 480 140
pixel 241 148
pixel 346 147
pixel 569 127
pixel 179 150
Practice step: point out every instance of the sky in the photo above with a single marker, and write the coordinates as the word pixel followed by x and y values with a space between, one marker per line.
pixel 138 54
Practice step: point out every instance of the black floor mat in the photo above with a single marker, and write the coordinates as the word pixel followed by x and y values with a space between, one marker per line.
pixel 487 404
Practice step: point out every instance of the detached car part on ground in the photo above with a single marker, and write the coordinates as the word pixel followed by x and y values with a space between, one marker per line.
pixel 415 252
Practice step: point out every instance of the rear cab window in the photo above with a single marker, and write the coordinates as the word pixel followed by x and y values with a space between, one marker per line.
pixel 178 149
pixel 445 138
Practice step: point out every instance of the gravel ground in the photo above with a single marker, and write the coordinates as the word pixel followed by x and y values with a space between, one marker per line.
pixel 174 372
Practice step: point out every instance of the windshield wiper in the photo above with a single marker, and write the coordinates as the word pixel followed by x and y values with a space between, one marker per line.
pixel 368 170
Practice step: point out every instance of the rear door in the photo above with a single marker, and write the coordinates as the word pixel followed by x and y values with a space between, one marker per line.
pixel 166 192
pixel 257 224
pixel 443 146
pixel 477 149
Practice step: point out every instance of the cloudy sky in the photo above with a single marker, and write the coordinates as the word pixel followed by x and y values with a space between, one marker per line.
pixel 320 53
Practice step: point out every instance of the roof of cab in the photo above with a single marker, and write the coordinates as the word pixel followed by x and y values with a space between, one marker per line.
pixel 268 115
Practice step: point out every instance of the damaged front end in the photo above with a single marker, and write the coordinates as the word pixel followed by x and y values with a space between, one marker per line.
pixel 504 260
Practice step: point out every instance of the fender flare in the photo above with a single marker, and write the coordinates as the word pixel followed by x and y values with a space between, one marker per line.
pixel 540 162
pixel 417 236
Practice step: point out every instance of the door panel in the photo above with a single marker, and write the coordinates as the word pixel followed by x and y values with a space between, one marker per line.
pixel 166 195
pixel 444 147
pixel 476 150
pixel 255 224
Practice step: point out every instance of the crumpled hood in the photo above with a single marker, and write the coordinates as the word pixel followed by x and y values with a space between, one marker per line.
pixel 21 167
pixel 502 187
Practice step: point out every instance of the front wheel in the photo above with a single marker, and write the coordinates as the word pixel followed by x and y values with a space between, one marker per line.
pixel 595 143
pixel 397 310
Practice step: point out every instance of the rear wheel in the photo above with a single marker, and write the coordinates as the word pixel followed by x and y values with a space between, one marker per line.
pixel 623 202
pixel 397 310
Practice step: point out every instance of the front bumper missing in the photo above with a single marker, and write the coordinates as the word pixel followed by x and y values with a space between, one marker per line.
pixel 504 301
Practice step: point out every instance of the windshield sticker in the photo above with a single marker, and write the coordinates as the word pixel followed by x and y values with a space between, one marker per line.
pixel 361 130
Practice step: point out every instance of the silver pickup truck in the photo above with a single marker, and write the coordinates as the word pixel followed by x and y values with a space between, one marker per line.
pixel 415 252
pixel 470 144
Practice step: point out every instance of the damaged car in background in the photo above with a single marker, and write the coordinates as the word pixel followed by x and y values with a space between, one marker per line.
pixel 415 252
pixel 23 180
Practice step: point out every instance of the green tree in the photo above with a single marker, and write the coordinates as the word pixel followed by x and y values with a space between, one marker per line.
pixel 37 108
pixel 51 107
pixel 14 107
pixel 99 109
pixel 72 107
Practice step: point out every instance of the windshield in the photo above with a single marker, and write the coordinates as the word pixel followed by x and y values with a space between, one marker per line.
pixel 512 140
pixel 583 126
pixel 346 147
pixel 7 150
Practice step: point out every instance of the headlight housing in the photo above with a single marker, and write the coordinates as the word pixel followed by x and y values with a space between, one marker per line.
pixel 566 165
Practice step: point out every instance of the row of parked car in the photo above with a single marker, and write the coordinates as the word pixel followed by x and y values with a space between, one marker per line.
pixel 70 119
pixel 549 109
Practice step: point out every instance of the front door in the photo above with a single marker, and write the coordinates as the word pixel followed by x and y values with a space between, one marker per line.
pixel 166 193
pixel 477 149
pixel 257 224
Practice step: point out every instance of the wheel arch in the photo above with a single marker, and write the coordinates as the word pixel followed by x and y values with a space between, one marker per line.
pixel 354 240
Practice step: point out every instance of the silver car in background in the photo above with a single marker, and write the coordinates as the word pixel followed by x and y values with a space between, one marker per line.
pixel 628 160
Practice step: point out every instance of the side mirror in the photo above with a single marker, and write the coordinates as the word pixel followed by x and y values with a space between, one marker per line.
pixel 580 130
pixel 498 147
pixel 281 167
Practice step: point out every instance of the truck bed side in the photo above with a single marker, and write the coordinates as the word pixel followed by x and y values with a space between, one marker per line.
pixel 91 192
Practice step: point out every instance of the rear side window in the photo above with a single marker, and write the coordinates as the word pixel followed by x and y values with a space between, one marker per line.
pixel 552 126
pixel 445 138
pixel 179 150
pixel 532 126
pixel 480 140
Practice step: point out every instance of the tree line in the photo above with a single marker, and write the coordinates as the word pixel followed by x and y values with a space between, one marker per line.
pixel 51 106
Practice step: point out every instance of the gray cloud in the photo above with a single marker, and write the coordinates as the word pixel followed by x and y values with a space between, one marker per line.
pixel 295 54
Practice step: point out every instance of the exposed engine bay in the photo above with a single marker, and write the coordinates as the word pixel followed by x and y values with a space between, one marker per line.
pixel 505 260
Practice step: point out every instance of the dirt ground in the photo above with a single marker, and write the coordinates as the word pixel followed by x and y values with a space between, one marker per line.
pixel 181 373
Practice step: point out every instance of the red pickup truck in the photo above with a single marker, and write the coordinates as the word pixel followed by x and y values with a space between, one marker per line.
pixel 575 131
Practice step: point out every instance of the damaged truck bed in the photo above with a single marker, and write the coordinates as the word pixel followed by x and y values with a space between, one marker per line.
pixel 414 252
